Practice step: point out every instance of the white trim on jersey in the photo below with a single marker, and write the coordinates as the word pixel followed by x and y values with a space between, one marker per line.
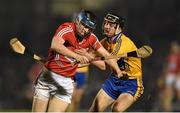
pixel 94 45
pixel 64 31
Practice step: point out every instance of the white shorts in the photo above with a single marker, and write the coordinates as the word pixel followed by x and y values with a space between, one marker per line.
pixel 172 79
pixel 52 84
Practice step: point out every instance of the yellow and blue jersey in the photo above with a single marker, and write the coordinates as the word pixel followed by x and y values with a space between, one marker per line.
pixel 123 44
pixel 133 85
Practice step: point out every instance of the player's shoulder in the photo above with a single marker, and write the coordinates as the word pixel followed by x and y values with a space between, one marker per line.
pixel 126 38
pixel 128 41
pixel 67 25
pixel 92 37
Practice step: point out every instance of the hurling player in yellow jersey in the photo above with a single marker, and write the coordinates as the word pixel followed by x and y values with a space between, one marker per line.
pixel 120 93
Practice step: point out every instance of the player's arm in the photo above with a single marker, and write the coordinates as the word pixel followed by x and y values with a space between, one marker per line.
pixel 91 55
pixel 100 64
pixel 112 62
pixel 58 46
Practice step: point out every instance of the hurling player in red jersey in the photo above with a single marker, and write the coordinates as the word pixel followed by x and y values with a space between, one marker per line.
pixel 54 86
pixel 172 78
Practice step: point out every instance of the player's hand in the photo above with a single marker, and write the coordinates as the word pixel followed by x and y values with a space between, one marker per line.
pixel 80 51
pixel 85 53
pixel 121 73
pixel 82 59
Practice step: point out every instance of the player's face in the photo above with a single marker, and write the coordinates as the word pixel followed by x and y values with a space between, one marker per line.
pixel 83 30
pixel 109 28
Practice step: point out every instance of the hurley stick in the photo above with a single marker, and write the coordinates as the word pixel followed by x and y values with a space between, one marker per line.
pixel 19 48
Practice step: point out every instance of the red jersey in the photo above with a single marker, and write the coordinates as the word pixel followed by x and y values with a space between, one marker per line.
pixel 61 64
pixel 174 63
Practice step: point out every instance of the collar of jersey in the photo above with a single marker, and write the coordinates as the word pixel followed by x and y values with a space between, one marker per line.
pixel 115 38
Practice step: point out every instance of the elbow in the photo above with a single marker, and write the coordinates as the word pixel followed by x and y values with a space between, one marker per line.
pixel 53 47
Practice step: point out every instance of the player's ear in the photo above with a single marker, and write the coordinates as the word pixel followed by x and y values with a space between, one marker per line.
pixel 118 29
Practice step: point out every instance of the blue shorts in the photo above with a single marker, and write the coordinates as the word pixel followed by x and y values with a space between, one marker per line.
pixel 80 79
pixel 115 86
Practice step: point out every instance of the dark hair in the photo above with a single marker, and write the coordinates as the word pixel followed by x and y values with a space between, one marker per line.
pixel 115 19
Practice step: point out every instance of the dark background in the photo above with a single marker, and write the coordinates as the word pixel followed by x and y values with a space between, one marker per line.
pixel 152 22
